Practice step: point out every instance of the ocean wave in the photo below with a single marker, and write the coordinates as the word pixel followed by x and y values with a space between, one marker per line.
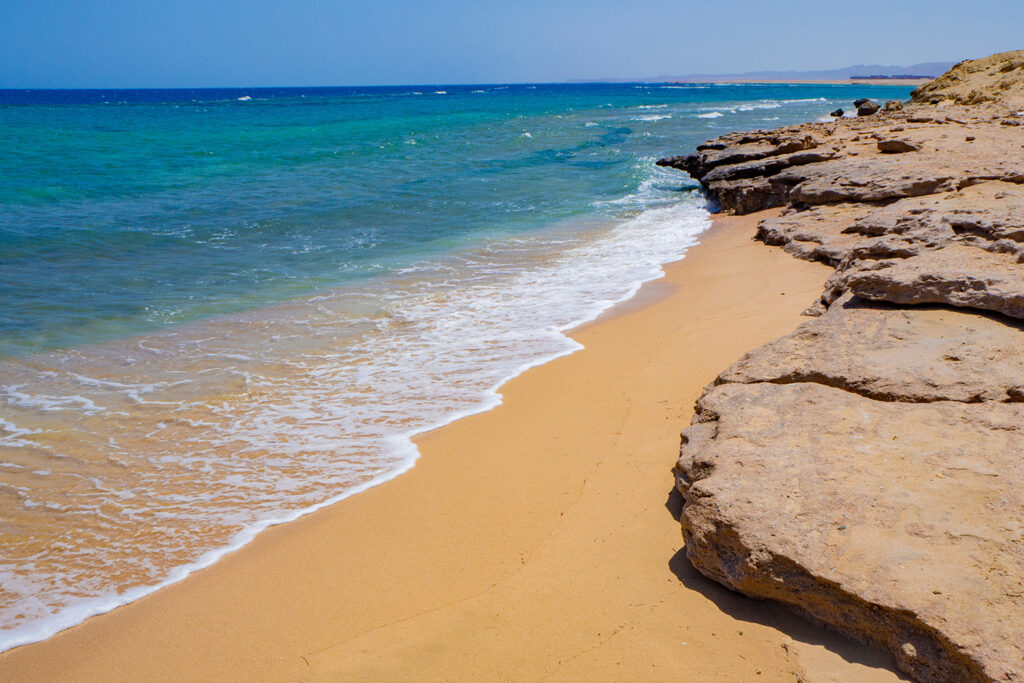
pixel 767 104
pixel 652 117
pixel 279 412
pixel 710 115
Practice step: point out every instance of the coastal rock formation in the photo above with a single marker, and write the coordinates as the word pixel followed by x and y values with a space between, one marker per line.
pixel 895 353
pixel 868 108
pixel 956 275
pixel 893 522
pixel 896 146
pixel 867 469
pixel 999 78
pixel 823 163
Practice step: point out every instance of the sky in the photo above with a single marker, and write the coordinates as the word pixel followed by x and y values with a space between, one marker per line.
pixel 219 43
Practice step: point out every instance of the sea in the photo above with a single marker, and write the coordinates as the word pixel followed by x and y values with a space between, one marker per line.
pixel 222 309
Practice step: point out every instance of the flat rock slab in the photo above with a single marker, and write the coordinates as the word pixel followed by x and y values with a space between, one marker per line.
pixel 853 160
pixel 989 215
pixel 957 275
pixel 889 353
pixel 891 522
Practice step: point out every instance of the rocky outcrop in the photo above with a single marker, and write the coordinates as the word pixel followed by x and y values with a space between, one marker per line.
pixel 956 275
pixel 856 160
pixel 895 353
pixel 867 470
pixel 999 78
pixel 896 523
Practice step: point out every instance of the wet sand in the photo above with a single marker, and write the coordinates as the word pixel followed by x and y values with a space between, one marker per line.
pixel 536 541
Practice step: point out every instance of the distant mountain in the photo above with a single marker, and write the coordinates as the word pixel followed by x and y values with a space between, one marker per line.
pixel 929 69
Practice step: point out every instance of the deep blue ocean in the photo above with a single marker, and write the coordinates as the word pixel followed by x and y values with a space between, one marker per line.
pixel 222 309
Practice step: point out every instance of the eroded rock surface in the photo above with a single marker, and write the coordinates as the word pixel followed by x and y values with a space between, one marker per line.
pixel 896 523
pixel 853 159
pixel 957 275
pixel 895 353
pixel 868 469
pixel 997 78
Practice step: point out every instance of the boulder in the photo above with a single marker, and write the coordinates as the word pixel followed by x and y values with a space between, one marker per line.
pixel 893 105
pixel 897 146
pixel 868 108
pixel 838 113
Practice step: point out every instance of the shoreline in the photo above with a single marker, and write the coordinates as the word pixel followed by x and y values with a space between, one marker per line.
pixel 526 497
pixel 836 469
pixel 487 398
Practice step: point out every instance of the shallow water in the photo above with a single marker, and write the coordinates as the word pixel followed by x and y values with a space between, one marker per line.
pixel 220 313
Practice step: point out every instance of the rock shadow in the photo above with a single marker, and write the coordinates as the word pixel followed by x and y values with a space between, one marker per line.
pixel 769 613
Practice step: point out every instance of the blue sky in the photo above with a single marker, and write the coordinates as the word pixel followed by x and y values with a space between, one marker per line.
pixel 180 43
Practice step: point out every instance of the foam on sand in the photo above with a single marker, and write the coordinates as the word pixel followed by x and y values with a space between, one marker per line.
pixel 244 422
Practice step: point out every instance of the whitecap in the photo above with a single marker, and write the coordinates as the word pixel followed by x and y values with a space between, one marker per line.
pixel 711 115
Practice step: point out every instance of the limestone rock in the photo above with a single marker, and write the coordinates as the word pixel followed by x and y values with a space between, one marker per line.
pixel 894 353
pixel 892 522
pixel 893 105
pixel 999 78
pixel 957 275
pixel 988 215
pixel 867 469
pixel 797 166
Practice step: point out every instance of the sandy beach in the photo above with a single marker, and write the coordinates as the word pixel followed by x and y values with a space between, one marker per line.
pixel 538 541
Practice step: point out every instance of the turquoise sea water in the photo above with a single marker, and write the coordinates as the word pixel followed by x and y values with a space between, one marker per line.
pixel 224 308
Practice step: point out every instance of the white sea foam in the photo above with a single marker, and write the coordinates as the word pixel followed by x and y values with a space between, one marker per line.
pixel 767 104
pixel 652 117
pixel 710 115
pixel 244 98
pixel 282 412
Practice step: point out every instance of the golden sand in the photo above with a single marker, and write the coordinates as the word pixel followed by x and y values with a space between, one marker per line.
pixel 533 542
